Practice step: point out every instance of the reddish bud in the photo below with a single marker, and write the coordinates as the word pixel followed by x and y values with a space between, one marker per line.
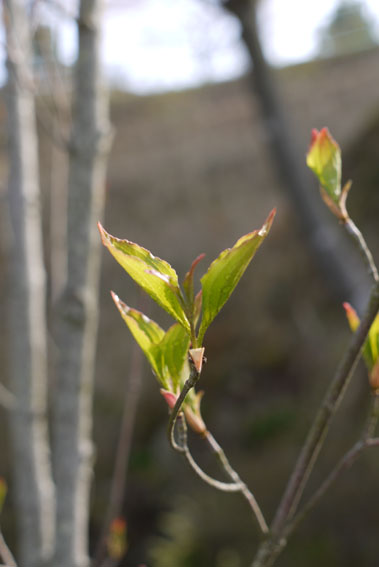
pixel 193 415
pixel 352 316
pixel 170 397
pixel 324 159
pixel 117 539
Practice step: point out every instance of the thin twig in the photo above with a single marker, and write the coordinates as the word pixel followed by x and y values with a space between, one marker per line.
pixel 372 420
pixel 237 485
pixel 364 250
pixel 367 440
pixel 176 416
pixel 132 392
pixel 321 424
pixel 184 449
pixel 233 475
pixel 6 553
pixel 188 385
pixel 7 398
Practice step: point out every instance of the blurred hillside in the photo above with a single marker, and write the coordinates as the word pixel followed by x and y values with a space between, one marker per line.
pixel 189 173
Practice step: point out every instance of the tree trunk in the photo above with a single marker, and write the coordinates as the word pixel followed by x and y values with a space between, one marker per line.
pixel 77 311
pixel 33 487
pixel 332 253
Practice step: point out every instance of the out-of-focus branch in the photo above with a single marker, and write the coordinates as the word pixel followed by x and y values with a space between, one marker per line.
pixel 7 399
pixel 365 442
pixel 77 313
pixel 273 545
pixel 5 553
pixel 33 487
pixel 330 251
pixel 132 393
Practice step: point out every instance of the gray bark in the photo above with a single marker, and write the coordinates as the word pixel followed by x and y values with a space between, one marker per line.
pixel 33 489
pixel 330 250
pixel 77 310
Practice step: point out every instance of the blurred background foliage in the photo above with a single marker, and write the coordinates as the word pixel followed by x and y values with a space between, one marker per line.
pixel 190 172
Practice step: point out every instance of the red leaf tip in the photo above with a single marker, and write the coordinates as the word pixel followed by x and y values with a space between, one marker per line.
pixel 170 398
pixel 314 136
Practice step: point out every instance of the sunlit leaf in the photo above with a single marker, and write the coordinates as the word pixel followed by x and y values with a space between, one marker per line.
pixel 167 352
pixel 371 346
pixel 147 333
pixel 225 272
pixel 324 159
pixel 174 351
pixel 155 276
pixel 373 339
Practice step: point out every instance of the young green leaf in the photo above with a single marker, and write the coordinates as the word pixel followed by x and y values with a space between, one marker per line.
pixel 153 275
pixel 188 279
pixel 324 159
pixel 174 351
pixel 147 333
pixel 371 347
pixel 225 272
pixel 166 352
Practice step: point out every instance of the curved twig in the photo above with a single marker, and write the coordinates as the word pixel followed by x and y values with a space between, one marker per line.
pixel 233 475
pixel 188 385
pixel 184 449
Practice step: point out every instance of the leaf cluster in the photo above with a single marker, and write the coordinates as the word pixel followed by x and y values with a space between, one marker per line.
pixel 167 351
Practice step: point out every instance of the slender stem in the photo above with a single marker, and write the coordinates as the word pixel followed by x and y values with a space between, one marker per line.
pixel 116 498
pixel 5 553
pixel 372 420
pixel 188 385
pixel 321 424
pixel 233 475
pixel 367 440
pixel 177 416
pixel 345 463
pixel 360 242
pixel 183 448
pixel 273 545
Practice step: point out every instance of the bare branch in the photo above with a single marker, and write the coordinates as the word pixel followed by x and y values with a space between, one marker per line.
pixel 76 328
pixel 222 486
pixel 34 502
pixel 5 553
pixel 366 441
pixel 7 399
pixel 364 250
pixel 132 393
pixel 321 424
pixel 233 475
